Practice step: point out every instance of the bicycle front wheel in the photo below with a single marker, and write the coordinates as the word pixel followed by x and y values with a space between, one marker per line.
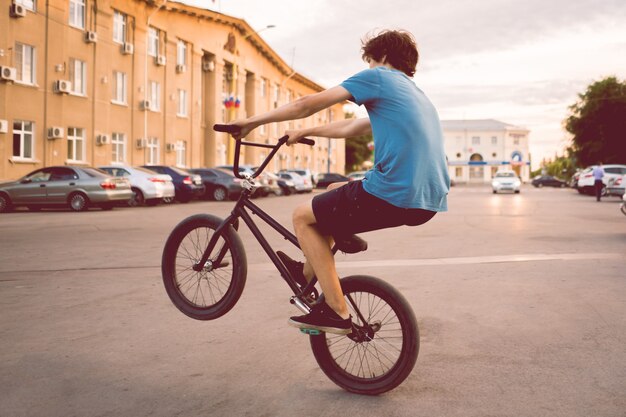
pixel 214 290
pixel 382 350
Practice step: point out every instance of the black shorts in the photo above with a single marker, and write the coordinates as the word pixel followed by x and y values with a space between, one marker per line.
pixel 350 209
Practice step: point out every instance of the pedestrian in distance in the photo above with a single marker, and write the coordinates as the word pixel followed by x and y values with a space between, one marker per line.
pixel 407 185
pixel 598 174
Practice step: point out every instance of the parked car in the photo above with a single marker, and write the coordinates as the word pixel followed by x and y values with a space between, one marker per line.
pixel 219 184
pixel 306 174
pixel 623 205
pixel 548 181
pixel 356 175
pixel 616 186
pixel 506 181
pixel 586 181
pixel 76 187
pixel 324 180
pixel 304 186
pixel 263 188
pixel 148 186
pixel 573 182
pixel 187 185
pixel 279 186
pixel 299 183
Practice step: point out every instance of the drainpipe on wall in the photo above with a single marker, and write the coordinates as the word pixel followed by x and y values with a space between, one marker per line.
pixel 145 80
pixel 45 89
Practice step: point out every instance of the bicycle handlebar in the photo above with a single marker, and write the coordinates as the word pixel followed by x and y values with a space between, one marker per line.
pixel 232 129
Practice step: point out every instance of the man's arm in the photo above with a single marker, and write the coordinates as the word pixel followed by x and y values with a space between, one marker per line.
pixel 298 109
pixel 341 129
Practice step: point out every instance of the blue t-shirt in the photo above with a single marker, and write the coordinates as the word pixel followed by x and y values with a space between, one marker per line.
pixel 410 169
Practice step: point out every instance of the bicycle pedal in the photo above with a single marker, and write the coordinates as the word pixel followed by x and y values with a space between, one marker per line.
pixel 311 332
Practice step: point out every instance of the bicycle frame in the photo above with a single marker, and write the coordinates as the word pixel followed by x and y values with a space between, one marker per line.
pixel 239 211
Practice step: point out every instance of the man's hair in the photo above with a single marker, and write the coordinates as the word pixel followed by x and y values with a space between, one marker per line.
pixel 395 47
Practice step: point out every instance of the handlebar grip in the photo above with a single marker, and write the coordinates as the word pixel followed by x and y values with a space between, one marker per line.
pixel 226 128
pixel 307 141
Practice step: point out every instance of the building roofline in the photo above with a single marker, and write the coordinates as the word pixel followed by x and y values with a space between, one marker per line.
pixel 479 124
pixel 246 31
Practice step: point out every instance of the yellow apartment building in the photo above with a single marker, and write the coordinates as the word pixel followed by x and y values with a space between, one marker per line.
pixel 94 82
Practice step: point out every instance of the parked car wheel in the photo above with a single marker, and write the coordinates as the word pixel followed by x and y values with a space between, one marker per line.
pixel 5 203
pixel 78 202
pixel 137 199
pixel 168 200
pixel 219 194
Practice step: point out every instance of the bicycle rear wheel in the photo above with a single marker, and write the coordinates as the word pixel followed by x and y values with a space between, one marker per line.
pixel 383 349
pixel 211 292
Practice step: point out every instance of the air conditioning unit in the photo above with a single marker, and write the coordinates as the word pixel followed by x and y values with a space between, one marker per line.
pixel 102 140
pixel 17 10
pixel 91 37
pixel 160 60
pixel 55 132
pixel 145 104
pixel 4 126
pixel 141 143
pixel 62 86
pixel 128 48
pixel 181 68
pixel 170 147
pixel 8 73
pixel 208 66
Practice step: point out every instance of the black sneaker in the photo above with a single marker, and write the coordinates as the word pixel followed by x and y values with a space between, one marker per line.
pixel 295 268
pixel 324 319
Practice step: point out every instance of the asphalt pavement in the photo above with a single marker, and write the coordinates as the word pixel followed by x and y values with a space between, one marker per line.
pixel 520 300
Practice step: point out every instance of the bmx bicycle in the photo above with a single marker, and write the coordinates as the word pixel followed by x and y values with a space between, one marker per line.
pixel 204 270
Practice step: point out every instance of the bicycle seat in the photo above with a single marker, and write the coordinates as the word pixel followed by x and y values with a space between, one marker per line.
pixel 350 244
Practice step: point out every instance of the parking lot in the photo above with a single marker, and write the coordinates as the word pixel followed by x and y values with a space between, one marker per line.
pixel 520 300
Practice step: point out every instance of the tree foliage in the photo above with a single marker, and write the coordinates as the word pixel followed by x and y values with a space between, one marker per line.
pixel 357 150
pixel 598 123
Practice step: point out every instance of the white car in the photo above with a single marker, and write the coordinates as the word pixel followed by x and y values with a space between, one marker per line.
pixel 586 181
pixel 302 185
pixel 148 186
pixel 506 181
pixel 306 175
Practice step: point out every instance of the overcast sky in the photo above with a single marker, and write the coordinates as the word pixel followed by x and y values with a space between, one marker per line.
pixel 520 62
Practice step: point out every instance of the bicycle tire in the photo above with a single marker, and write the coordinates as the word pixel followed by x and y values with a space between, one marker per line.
pixel 210 293
pixel 382 363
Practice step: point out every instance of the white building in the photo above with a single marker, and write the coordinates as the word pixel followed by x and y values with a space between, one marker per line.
pixel 477 149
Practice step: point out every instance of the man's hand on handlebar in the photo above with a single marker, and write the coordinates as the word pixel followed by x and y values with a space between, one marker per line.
pixel 294 136
pixel 244 128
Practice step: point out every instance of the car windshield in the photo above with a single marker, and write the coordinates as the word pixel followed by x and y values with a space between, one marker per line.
pixel 95 173
pixel 145 170
pixel 505 174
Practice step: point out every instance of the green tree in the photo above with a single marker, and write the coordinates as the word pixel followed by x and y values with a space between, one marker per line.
pixel 598 123
pixel 357 150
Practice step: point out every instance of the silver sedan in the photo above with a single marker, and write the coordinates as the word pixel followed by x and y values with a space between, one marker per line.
pixel 75 187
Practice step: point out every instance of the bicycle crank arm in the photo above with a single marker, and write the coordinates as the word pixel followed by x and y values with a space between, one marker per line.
pixel 300 304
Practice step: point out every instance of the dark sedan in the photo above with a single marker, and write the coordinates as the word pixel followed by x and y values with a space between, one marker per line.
pixel 219 184
pixel 324 180
pixel 548 181
pixel 75 187
pixel 187 185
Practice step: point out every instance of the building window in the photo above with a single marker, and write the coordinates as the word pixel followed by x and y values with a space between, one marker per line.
pixel 119 87
pixel 182 103
pixel 23 139
pixel 153 151
pixel 77 13
pixel 181 53
pixel 118 144
pixel 494 140
pixel 263 87
pixel 276 95
pixel 29 4
pixel 78 76
pixel 153 41
pixel 181 153
pixel 119 27
pixel 262 130
pixel 458 172
pixel 25 63
pixel 75 144
pixel 155 96
pixel 475 140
